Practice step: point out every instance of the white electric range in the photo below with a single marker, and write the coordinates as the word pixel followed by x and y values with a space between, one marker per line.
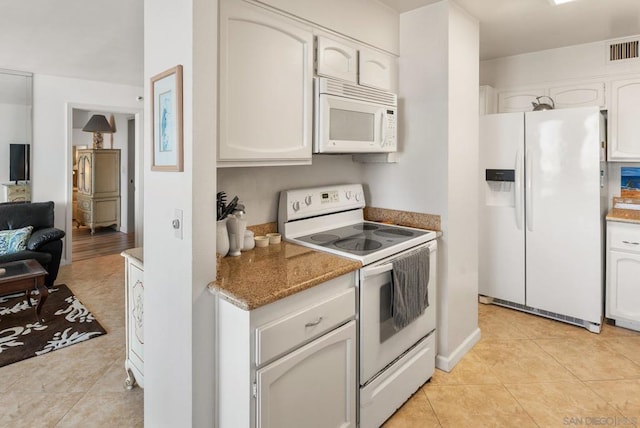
pixel 392 364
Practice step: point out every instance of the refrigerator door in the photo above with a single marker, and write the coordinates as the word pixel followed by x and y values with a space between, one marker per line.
pixel 563 217
pixel 501 235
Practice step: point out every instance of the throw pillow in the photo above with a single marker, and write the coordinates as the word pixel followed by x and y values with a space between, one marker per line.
pixel 12 241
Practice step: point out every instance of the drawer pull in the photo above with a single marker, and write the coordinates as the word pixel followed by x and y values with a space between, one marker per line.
pixel 631 243
pixel 313 324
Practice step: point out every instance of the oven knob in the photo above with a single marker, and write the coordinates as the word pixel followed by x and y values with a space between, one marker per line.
pixel 296 205
pixel 347 194
pixel 358 197
pixel 307 200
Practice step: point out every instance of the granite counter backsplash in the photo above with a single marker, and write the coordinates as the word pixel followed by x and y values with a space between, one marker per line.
pixel 403 218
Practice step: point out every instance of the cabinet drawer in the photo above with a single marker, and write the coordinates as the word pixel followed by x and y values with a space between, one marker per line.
pixel 294 329
pixel 624 236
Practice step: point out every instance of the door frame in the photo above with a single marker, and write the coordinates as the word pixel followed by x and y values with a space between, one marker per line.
pixel 138 176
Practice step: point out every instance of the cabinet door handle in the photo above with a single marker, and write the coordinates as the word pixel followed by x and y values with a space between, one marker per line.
pixel 315 323
pixel 631 243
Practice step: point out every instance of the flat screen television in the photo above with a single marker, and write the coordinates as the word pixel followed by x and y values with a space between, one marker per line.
pixel 19 156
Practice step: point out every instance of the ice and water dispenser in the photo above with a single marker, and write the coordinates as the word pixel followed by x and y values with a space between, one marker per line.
pixel 500 188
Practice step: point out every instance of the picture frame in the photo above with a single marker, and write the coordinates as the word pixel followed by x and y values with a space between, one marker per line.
pixel 166 121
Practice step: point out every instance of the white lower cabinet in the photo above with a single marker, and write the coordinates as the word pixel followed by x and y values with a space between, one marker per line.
pixel 290 363
pixel 313 386
pixel 623 271
pixel 134 317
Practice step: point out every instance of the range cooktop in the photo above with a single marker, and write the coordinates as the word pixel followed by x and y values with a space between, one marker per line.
pixel 363 238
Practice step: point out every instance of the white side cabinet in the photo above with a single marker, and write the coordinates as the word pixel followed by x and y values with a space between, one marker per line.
pixel 624 126
pixel 579 95
pixel 291 363
pixel 17 192
pixel 623 274
pixel 266 87
pixel 517 101
pixel 134 317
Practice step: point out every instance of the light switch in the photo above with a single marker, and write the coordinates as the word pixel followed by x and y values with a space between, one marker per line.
pixel 176 223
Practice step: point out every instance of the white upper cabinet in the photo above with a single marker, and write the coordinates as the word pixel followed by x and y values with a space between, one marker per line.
pixel 377 69
pixel 624 123
pixel 266 87
pixel 516 101
pixel 335 59
pixel 582 95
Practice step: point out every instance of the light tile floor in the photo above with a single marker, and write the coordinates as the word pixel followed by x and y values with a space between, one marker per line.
pixel 82 385
pixel 529 371
pixel 526 371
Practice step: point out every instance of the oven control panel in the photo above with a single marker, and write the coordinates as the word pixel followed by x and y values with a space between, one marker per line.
pixel 304 203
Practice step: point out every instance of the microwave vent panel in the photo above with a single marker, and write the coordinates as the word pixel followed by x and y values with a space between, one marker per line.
pixel 349 90
pixel 622 50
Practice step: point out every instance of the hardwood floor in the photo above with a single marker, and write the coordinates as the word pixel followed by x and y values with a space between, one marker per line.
pixel 105 241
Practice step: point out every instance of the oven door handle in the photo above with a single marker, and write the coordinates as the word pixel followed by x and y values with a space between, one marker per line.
pixel 375 270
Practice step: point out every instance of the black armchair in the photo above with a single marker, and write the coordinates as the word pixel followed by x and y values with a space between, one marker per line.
pixel 45 243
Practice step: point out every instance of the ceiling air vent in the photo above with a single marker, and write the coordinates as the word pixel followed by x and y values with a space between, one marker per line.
pixel 623 50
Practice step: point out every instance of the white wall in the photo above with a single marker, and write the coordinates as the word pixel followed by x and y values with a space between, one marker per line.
pixel 369 21
pixel 179 322
pixel 553 65
pixel 438 158
pixel 259 188
pixel 51 153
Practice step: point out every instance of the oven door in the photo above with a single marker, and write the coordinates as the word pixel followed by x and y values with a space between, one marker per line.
pixel 345 125
pixel 380 344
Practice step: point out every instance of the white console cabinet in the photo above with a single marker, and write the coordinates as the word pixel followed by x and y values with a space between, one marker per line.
pixel 134 317
pixel 623 273
pixel 291 363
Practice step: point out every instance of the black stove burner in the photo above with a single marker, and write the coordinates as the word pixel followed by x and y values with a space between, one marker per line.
pixel 358 244
pixel 323 238
pixel 365 227
pixel 393 233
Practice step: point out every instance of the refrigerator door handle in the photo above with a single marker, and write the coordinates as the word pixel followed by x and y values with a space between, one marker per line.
pixel 518 189
pixel 528 191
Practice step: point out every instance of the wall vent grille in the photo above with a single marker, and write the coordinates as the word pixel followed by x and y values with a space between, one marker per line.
pixel 623 50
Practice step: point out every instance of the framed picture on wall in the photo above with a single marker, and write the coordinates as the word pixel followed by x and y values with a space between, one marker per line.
pixel 166 123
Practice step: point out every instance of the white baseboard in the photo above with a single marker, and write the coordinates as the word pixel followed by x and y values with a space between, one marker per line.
pixel 447 363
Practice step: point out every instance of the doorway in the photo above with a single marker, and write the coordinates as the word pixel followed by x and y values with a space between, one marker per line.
pixel 105 210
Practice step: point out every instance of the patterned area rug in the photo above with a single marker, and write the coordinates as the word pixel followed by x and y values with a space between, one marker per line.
pixel 67 322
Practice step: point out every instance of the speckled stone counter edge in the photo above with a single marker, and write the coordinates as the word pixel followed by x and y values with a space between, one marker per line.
pixel 624 216
pixel 403 218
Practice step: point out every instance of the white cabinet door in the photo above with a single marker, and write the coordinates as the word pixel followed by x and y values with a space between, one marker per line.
pixel 487 100
pixel 314 386
pixel 134 318
pixel 518 101
pixel 624 126
pixel 376 69
pixel 623 286
pixel 582 95
pixel 337 60
pixel 266 87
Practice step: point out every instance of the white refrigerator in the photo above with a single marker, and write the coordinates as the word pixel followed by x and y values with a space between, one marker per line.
pixel 542 203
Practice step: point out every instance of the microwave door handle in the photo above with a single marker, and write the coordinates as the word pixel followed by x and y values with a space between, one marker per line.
pixel 368 272
pixel 383 128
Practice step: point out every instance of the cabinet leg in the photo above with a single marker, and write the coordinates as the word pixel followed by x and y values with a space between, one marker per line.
pixel 129 381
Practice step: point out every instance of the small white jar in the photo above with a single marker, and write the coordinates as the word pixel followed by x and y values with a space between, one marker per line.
pixel 249 243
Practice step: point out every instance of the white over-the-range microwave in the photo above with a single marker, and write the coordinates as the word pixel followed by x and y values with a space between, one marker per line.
pixel 350 118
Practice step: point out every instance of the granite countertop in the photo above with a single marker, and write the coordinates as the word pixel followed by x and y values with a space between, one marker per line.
pixel 624 215
pixel 621 212
pixel 264 275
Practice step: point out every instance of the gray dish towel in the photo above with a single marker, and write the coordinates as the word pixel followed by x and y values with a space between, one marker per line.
pixel 410 288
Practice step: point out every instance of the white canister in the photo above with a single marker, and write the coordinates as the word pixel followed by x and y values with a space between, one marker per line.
pixel 249 243
pixel 222 237
pixel 236 228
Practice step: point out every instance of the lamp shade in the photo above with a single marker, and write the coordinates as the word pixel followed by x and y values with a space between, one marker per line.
pixel 98 123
